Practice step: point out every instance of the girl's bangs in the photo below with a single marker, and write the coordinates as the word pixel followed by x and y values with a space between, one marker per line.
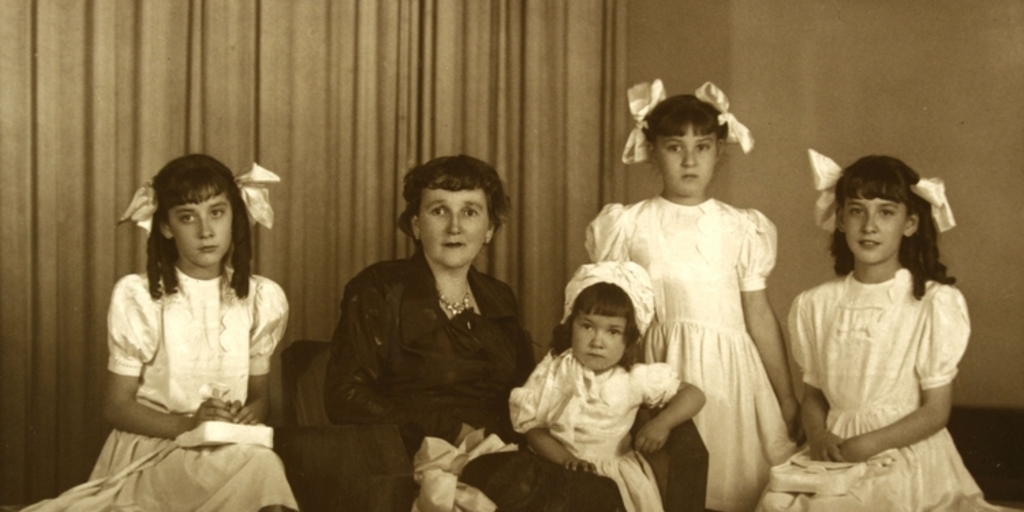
pixel 193 188
pixel 677 125
pixel 873 183
pixel 607 300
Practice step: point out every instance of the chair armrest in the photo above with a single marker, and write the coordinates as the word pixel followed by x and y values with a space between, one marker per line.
pixel 680 467
pixel 687 470
pixel 346 467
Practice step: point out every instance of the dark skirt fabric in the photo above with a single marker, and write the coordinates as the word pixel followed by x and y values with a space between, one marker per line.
pixel 526 482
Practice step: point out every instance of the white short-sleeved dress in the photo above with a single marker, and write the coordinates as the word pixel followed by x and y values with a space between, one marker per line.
pixel 700 258
pixel 182 347
pixel 592 414
pixel 871 349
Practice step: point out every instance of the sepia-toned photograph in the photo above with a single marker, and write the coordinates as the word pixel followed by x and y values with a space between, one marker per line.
pixel 511 255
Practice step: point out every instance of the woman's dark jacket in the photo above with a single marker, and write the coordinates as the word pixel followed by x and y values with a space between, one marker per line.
pixel 397 358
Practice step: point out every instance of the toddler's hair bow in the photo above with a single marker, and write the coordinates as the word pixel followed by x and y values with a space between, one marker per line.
pixel 252 184
pixel 642 99
pixel 631 277
pixel 826 175
pixel 738 133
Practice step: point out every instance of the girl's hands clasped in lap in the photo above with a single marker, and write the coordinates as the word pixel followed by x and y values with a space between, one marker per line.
pixel 214 409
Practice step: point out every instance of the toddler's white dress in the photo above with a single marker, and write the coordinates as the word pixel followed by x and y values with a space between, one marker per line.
pixel 700 258
pixel 182 348
pixel 871 349
pixel 592 414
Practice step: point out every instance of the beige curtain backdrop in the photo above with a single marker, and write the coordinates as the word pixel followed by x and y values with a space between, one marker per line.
pixel 339 98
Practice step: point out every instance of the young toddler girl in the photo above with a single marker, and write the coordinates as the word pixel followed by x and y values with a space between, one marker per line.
pixel 579 404
pixel 190 341
pixel 878 348
pixel 708 262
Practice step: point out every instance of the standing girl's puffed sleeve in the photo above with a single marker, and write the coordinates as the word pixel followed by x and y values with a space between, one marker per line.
pixel 945 329
pixel 608 235
pixel 757 252
pixel 656 382
pixel 270 319
pixel 133 324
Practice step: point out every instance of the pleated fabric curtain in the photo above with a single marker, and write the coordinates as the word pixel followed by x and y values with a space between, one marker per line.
pixel 338 97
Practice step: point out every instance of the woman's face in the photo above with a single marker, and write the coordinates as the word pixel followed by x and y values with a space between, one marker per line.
pixel 452 226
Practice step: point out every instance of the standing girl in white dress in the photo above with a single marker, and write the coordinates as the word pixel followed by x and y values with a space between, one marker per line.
pixel 578 406
pixel 709 262
pixel 878 348
pixel 190 341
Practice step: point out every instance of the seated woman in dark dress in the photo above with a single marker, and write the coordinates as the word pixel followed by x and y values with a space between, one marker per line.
pixel 434 346
pixel 429 343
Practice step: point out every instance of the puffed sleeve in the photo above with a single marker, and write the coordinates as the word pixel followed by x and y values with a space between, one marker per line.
pixel 524 402
pixel 608 235
pixel 270 319
pixel 801 338
pixel 656 382
pixel 757 252
pixel 946 329
pixel 133 324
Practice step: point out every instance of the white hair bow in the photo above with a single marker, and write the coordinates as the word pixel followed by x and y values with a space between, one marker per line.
pixel 631 277
pixel 826 175
pixel 738 133
pixel 642 99
pixel 256 195
pixel 253 186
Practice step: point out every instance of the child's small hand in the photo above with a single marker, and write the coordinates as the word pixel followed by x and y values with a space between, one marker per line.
pixel 652 437
pixel 575 464
pixel 825 446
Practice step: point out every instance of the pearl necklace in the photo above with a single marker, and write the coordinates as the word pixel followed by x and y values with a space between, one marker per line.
pixel 454 308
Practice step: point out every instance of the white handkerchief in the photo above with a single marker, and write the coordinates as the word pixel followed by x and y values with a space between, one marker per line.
pixel 212 433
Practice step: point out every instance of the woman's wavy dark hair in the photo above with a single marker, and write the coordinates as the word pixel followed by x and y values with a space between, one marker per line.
pixel 605 299
pixel 673 116
pixel 453 173
pixel 885 177
pixel 192 179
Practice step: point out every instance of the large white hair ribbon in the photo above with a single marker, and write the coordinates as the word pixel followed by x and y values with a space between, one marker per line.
pixel 142 207
pixel 631 277
pixel 933 190
pixel 738 133
pixel 826 175
pixel 256 195
pixel 253 186
pixel 642 99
